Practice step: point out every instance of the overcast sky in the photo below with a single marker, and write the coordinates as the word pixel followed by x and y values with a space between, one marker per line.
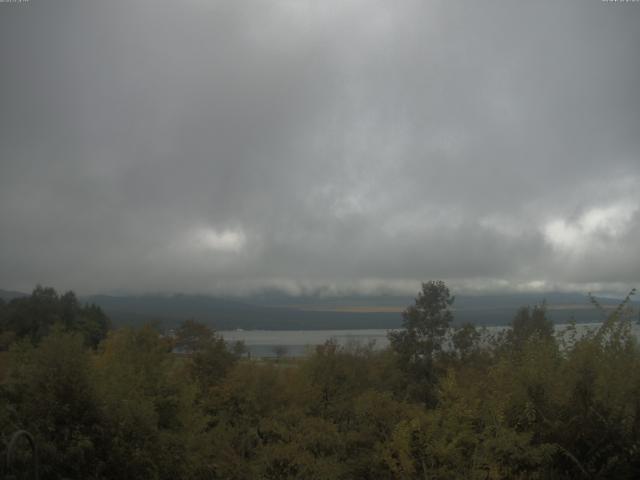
pixel 343 145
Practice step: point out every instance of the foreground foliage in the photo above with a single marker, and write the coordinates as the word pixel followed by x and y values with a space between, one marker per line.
pixel 439 403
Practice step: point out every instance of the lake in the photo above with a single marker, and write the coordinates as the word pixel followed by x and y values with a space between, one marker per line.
pixel 296 343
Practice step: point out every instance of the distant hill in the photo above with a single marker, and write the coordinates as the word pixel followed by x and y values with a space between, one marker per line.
pixel 279 311
pixel 229 314
pixel 284 312
pixel 7 295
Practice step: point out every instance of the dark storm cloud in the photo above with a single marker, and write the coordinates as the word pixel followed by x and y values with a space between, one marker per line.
pixel 350 145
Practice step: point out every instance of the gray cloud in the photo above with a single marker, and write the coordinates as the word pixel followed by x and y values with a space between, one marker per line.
pixel 359 146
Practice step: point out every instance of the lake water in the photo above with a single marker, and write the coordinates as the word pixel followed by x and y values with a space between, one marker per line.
pixel 296 343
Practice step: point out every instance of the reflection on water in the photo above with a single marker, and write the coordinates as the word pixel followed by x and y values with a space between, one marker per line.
pixel 296 343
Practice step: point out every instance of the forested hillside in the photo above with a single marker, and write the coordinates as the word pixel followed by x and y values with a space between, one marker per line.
pixel 523 404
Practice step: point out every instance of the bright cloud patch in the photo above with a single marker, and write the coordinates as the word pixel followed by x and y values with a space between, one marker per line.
pixel 223 241
pixel 596 225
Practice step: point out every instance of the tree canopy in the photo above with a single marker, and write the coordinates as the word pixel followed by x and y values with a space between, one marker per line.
pixel 425 325
pixel 34 316
pixel 440 402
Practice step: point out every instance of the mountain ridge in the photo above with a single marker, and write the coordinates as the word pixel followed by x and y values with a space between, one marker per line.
pixel 315 312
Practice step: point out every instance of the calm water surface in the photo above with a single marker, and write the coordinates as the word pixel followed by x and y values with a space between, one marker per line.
pixel 263 343
pixel 295 343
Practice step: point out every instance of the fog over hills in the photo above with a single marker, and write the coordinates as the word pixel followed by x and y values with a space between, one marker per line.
pixel 279 311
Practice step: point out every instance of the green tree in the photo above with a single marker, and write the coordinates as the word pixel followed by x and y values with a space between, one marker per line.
pixel 528 323
pixel 153 428
pixel 50 390
pixel 34 316
pixel 210 356
pixel 466 340
pixel 425 326
pixel 192 336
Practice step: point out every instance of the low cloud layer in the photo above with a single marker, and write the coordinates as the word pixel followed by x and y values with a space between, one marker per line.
pixel 347 145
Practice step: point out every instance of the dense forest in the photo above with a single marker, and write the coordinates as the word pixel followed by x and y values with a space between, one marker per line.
pixel 440 402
